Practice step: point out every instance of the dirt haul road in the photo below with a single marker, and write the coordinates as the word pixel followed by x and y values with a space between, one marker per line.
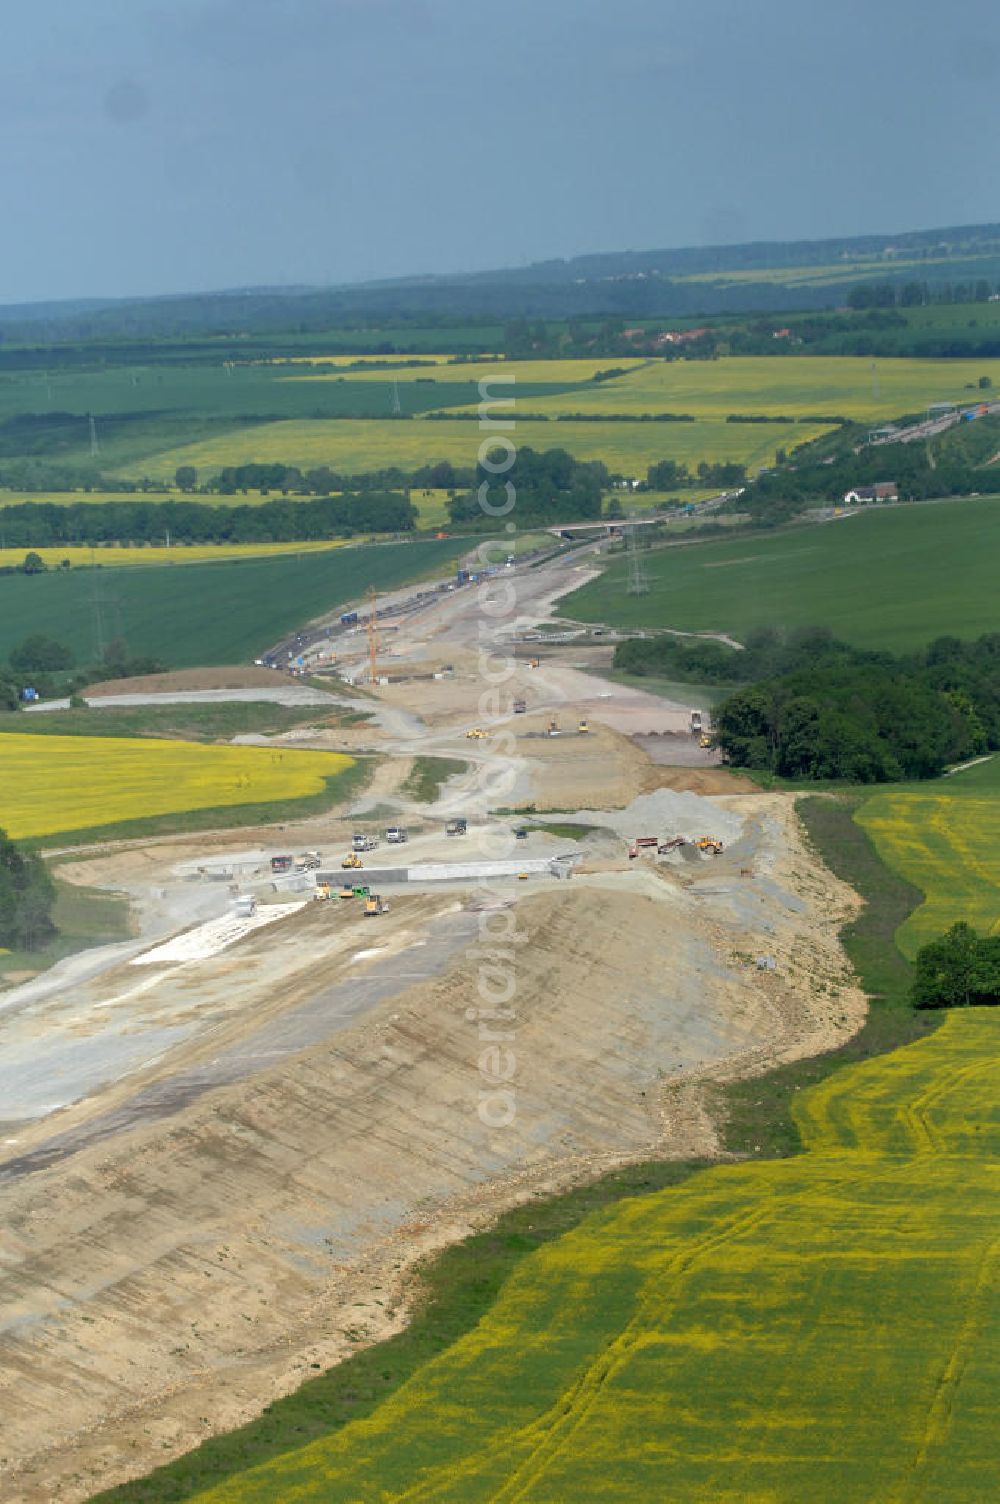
pixel 218 1222
pixel 219 1168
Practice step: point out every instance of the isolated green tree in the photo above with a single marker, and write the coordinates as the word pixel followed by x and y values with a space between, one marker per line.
pixel 27 895
pixel 948 971
pixel 186 477
pixel 33 564
pixel 40 655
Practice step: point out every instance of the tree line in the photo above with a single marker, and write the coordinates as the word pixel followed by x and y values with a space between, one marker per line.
pixel 548 486
pixel 812 707
pixel 281 520
pixel 827 710
pixel 955 466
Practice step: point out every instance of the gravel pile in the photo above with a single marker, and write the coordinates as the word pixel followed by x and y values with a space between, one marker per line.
pixel 665 813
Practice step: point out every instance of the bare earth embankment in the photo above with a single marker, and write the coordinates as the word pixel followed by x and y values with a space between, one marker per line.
pixel 196 1259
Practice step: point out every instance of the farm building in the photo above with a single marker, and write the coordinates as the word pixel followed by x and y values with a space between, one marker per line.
pixel 882 490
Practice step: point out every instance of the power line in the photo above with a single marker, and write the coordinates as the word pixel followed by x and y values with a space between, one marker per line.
pixel 638 582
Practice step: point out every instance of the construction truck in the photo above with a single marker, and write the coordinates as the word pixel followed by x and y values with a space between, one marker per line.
pixel 696 722
pixel 363 843
pixel 281 864
pixel 710 845
pixel 322 891
pixel 346 890
pixel 476 734
pixel 456 827
pixel 704 740
pixel 352 861
pixel 245 906
pixel 374 906
pixel 520 706
pixel 309 861
pixel 553 728
pixel 395 835
pixel 521 833
pixel 534 662
pixel 583 728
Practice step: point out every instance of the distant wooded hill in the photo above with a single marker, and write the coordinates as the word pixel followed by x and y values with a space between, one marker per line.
pixel 702 280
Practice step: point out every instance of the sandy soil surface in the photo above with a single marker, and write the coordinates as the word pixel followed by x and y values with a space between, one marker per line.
pixel 188 1260
pixel 217 1172
pixel 232 677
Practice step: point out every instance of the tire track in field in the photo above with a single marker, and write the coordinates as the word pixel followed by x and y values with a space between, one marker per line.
pixel 939 1413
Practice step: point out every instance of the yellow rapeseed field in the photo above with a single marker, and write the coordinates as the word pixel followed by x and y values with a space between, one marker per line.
pixel 193 553
pixel 357 444
pixel 524 372
pixel 798 386
pixel 51 784
pixel 948 845
pixel 820 1328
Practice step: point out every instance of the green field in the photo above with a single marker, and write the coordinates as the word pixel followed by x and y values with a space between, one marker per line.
pixel 152 418
pixel 188 615
pixel 884 579
pixel 356 445
pixel 818 1328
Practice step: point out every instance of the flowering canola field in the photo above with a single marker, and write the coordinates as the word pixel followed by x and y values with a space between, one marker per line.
pixel 821 1328
pixel 949 846
pixel 50 784
pixel 192 553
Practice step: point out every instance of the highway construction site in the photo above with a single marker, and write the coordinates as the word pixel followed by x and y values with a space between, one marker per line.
pixel 333 1047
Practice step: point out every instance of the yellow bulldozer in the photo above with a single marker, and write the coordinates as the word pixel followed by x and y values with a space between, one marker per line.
pixel 352 861
pixel 710 844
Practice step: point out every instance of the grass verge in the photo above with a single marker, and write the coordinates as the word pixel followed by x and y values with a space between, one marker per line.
pixel 427 775
pixel 458 1287
pixel 190 723
pixel 83 917
pixel 757 1113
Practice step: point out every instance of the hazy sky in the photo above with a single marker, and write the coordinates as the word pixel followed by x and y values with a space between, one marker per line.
pixel 166 145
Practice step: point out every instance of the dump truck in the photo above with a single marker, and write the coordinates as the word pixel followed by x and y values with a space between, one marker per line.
pixel 583 728
pixel 374 905
pixel 520 706
pixel 363 843
pixel 245 906
pixel 281 863
pixel 309 861
pixel 456 827
pixel 395 835
pixel 352 861
pixel 322 891
pixel 696 721
pixel 521 834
